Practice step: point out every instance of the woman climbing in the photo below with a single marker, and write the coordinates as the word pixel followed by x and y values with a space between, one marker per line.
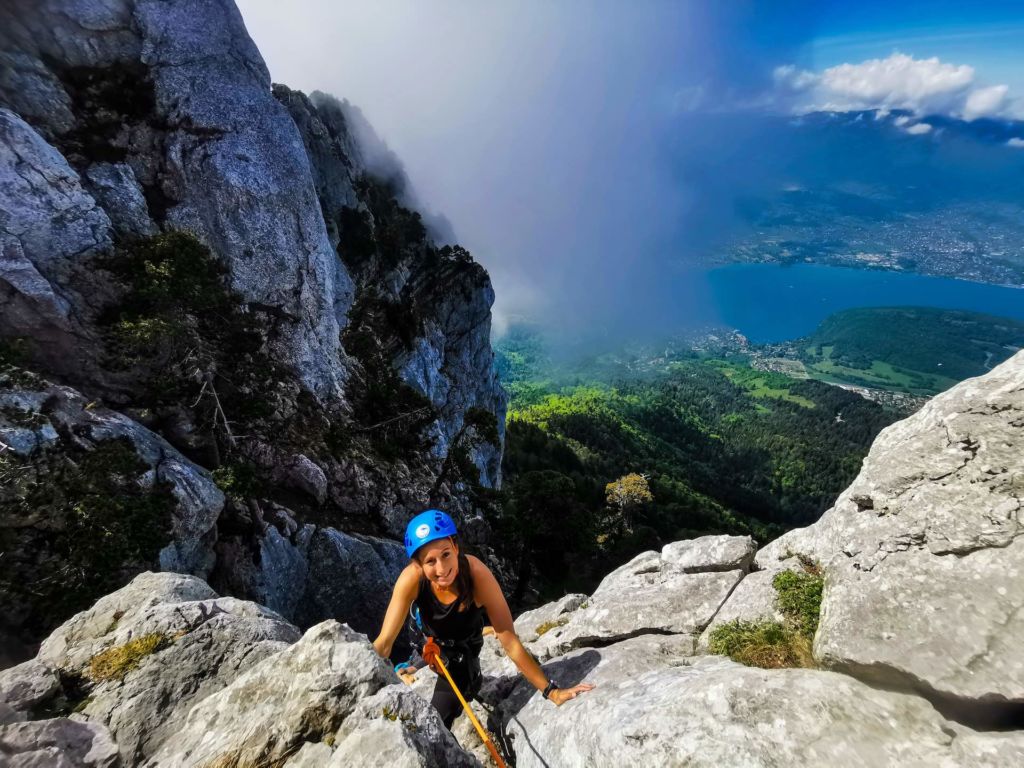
pixel 453 592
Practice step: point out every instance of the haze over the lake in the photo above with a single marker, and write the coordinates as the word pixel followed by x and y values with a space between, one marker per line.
pixel 593 156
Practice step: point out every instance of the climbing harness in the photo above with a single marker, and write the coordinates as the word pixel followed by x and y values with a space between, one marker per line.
pixel 432 655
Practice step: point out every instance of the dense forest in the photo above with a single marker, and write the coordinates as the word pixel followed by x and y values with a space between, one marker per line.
pixel 708 446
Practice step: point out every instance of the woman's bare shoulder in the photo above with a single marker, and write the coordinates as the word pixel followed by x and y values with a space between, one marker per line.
pixel 409 578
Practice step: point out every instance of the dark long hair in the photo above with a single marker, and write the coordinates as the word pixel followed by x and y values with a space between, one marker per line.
pixel 464 578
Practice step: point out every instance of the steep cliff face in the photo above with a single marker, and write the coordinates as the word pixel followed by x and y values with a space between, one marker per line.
pixel 234 269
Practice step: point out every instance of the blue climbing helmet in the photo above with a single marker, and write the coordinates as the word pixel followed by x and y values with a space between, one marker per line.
pixel 427 527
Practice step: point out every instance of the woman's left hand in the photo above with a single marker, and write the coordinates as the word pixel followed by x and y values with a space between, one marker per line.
pixel 562 695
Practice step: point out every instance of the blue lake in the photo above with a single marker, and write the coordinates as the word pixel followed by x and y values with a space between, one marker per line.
pixel 769 302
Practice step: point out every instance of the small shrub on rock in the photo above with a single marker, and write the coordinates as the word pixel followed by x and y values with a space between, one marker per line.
pixel 766 644
pixel 772 644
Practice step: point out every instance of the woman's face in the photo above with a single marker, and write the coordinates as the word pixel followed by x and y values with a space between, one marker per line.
pixel 440 562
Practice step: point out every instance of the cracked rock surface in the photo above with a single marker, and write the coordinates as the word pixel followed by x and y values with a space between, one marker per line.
pixel 923 552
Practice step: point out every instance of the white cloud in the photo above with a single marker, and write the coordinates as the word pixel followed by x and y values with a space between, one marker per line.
pixel 918 129
pixel 985 102
pixel 901 120
pixel 899 82
pixel 1015 142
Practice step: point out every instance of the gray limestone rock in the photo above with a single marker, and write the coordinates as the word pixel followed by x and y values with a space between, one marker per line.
pixel 988 750
pixel 49 228
pixel 648 594
pixel 301 694
pixel 208 645
pixel 753 600
pixel 57 743
pixel 711 553
pixel 304 475
pixel 115 616
pixel 50 426
pixel 115 187
pixel 940 538
pixel 529 623
pixel 396 727
pixel 206 143
pixel 25 686
pixel 349 579
pixel 654 705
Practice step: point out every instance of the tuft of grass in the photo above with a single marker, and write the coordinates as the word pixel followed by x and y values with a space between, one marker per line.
pixel 772 644
pixel 115 663
pixel 767 644
pixel 547 626
pixel 799 598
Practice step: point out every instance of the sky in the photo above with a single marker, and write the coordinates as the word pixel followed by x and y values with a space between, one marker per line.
pixel 561 138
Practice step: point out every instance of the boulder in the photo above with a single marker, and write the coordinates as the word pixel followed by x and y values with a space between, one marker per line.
pixel 57 743
pixel 115 617
pixel 207 645
pixel 26 686
pixel 530 625
pixel 396 727
pixel 202 643
pixel 301 694
pixel 647 595
pixel 711 553
pixel 349 579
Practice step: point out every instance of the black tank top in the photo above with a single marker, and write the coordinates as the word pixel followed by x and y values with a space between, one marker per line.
pixel 447 622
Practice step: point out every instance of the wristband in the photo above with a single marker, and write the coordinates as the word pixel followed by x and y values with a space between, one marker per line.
pixel 552 686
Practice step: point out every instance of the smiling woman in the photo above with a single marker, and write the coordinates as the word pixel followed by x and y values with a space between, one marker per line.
pixel 453 593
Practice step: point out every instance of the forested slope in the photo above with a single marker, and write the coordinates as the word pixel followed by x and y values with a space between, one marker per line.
pixel 723 448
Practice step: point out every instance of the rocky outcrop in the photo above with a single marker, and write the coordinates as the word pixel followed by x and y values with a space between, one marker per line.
pixel 327 699
pixel 237 268
pixel 655 704
pixel 180 97
pixel 675 591
pixel 931 529
pixel 157 508
pixel 914 645
pixel 164 672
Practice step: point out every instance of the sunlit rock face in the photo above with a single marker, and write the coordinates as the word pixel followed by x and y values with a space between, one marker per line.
pixel 924 554
pixel 354 372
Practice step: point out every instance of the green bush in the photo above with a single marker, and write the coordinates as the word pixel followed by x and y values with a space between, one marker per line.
pixel 799 598
pixel 772 644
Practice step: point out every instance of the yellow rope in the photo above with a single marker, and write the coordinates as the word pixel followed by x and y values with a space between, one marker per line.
pixel 476 723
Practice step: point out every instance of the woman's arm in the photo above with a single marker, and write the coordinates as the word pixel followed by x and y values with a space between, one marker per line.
pixel 488 593
pixel 402 596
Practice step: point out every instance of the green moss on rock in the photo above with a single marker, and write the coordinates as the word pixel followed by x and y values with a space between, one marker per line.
pixel 114 663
